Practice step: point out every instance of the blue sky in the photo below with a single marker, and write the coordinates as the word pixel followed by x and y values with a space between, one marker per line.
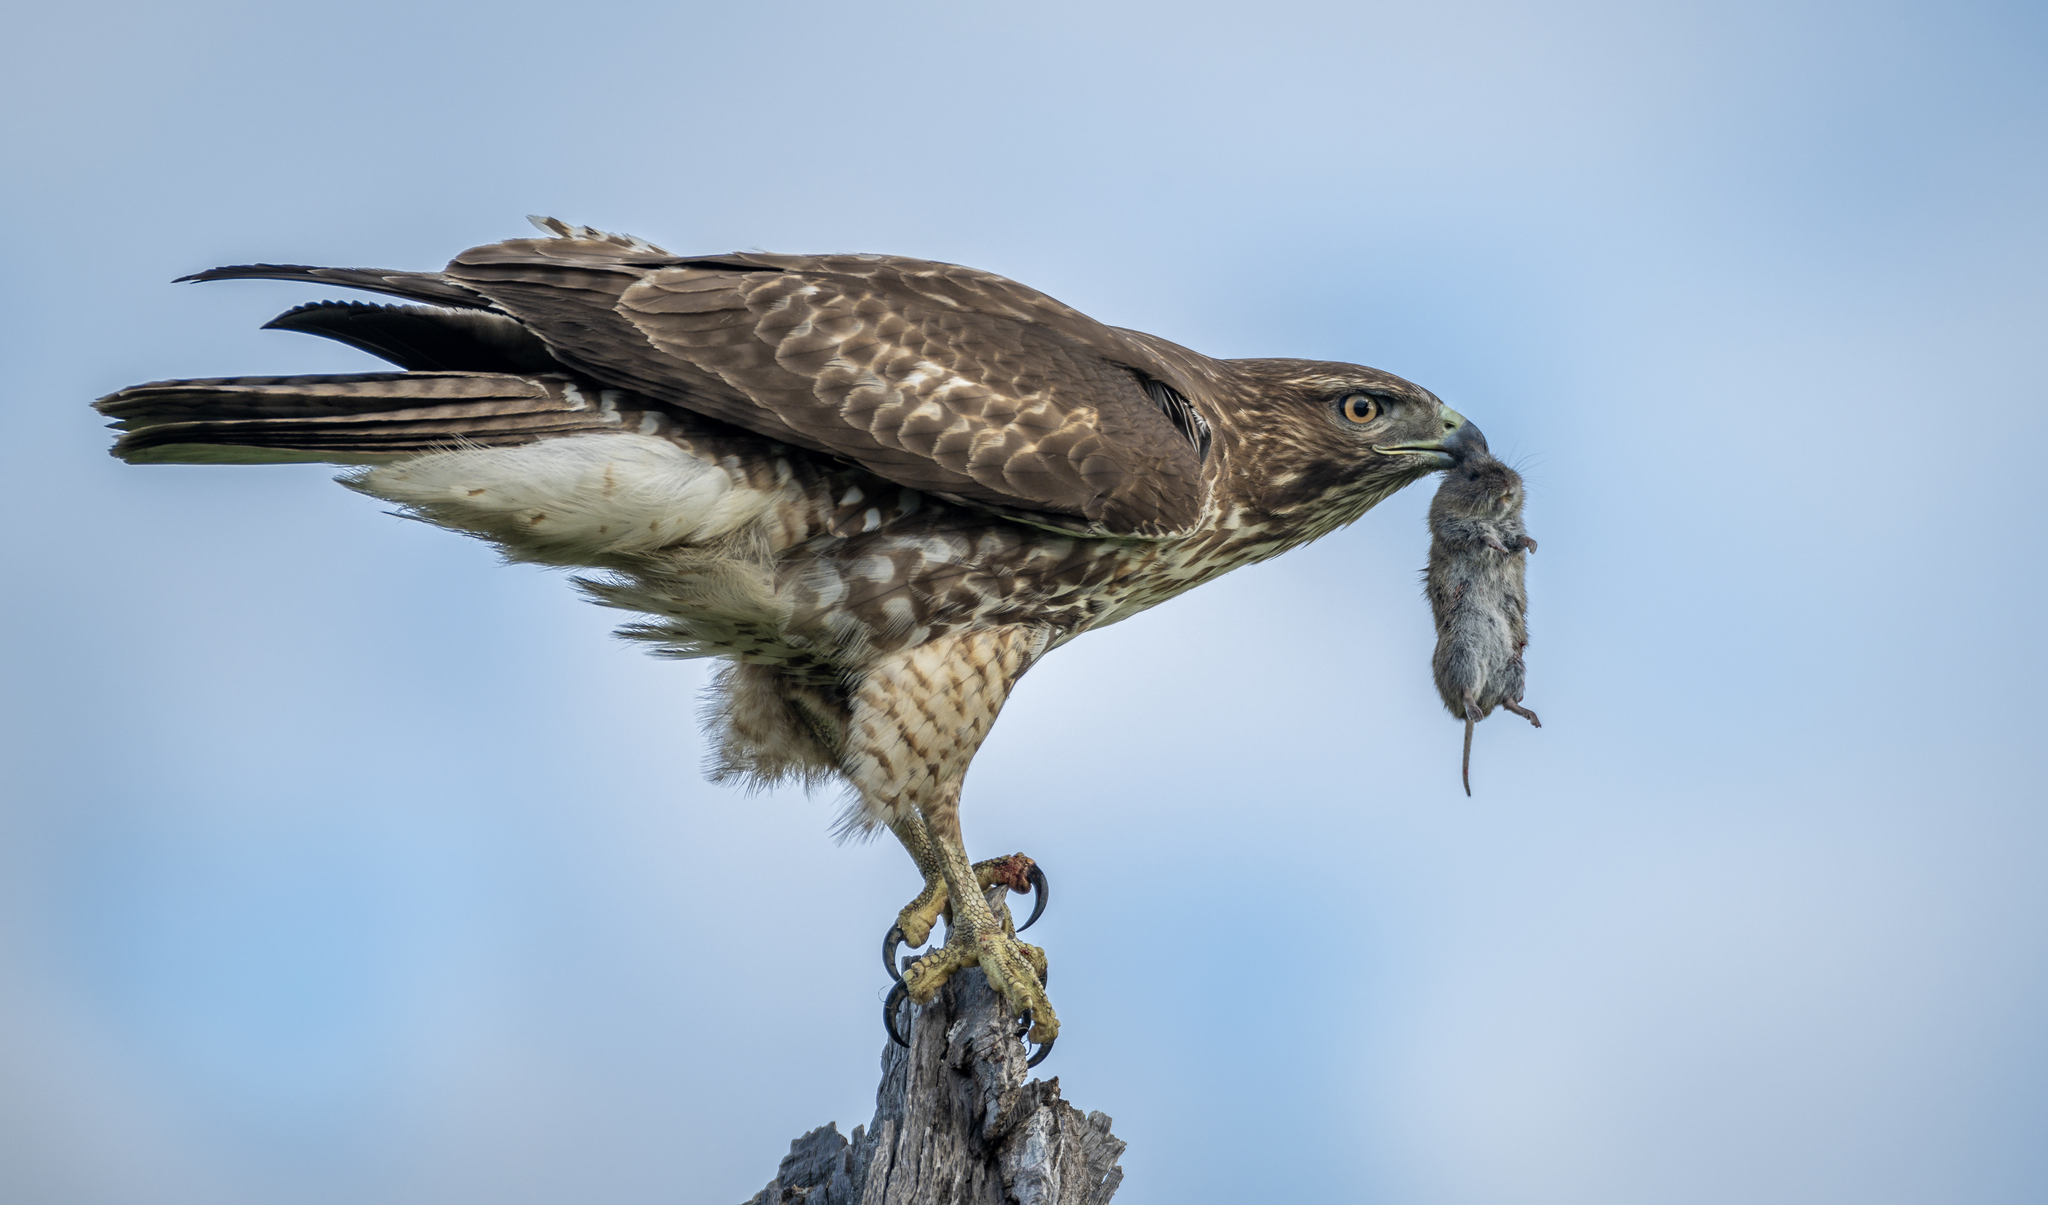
pixel 340 864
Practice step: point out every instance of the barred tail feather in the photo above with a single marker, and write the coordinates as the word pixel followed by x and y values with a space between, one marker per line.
pixel 358 418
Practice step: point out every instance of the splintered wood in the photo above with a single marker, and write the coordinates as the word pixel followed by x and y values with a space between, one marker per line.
pixel 956 1123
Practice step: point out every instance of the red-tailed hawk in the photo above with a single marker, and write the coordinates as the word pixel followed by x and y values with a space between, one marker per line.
pixel 880 488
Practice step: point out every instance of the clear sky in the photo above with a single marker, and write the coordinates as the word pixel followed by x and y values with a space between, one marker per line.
pixel 339 864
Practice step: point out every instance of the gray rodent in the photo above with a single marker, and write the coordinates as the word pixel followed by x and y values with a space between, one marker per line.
pixel 1476 591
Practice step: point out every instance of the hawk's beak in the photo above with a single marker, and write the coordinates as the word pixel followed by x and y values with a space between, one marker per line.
pixel 1461 438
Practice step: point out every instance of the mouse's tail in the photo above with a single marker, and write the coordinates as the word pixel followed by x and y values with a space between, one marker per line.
pixel 1471 707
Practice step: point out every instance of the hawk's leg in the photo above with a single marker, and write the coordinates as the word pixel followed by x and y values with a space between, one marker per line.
pixel 917 718
pixel 914 924
pixel 976 936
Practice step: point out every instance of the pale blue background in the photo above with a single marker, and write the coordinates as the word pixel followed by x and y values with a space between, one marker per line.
pixel 340 865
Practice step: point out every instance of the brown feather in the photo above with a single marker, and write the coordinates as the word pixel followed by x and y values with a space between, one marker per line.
pixel 937 377
pixel 424 339
pixel 431 287
pixel 363 416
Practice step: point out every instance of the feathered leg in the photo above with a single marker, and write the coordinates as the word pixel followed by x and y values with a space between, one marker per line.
pixel 918 717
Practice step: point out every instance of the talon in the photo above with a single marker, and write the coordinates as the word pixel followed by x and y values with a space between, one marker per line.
pixel 1040 892
pixel 890 941
pixel 984 935
pixel 1039 1057
pixel 897 995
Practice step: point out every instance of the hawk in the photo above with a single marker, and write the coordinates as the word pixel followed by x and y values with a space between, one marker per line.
pixel 878 488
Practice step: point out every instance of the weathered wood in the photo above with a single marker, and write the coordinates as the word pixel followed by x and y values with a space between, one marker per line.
pixel 957 1123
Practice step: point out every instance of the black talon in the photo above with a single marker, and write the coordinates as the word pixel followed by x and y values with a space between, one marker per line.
pixel 897 995
pixel 1024 1024
pixel 890 941
pixel 1039 892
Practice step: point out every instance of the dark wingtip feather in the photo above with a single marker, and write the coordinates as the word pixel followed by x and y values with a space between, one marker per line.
pixel 253 272
pixel 430 287
pixel 423 338
pixel 287 321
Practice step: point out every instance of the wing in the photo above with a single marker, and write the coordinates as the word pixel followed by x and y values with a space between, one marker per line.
pixel 942 378
pixel 422 339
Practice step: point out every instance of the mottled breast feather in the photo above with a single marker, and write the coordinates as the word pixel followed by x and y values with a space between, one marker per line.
pixel 960 383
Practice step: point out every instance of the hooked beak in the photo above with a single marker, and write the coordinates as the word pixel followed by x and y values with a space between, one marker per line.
pixel 1461 438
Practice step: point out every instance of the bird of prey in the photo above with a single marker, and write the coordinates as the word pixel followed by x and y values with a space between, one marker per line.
pixel 879 488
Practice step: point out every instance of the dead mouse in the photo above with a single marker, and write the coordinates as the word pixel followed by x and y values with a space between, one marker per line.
pixel 1476 591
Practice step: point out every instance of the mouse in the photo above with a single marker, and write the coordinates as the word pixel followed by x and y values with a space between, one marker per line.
pixel 1477 593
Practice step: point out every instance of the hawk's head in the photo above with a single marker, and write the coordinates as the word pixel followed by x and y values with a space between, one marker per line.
pixel 1323 442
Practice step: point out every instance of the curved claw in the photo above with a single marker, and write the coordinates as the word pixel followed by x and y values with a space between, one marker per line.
pixel 890 940
pixel 1024 1024
pixel 897 995
pixel 1040 892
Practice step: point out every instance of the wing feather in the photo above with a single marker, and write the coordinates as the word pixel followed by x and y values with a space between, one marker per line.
pixel 424 339
pixel 938 377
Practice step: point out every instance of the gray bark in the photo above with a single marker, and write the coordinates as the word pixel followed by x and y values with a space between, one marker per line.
pixel 956 1123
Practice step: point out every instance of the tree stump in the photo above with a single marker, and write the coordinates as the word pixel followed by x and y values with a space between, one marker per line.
pixel 956 1123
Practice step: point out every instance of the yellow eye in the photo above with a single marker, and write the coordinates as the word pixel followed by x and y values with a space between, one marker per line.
pixel 1361 407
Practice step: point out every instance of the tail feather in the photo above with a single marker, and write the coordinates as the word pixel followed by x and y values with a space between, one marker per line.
pixel 353 419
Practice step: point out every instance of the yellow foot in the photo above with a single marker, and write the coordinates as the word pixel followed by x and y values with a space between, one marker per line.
pixel 914 923
pixel 1016 969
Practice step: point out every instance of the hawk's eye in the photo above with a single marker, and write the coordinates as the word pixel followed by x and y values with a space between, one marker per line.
pixel 1360 407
